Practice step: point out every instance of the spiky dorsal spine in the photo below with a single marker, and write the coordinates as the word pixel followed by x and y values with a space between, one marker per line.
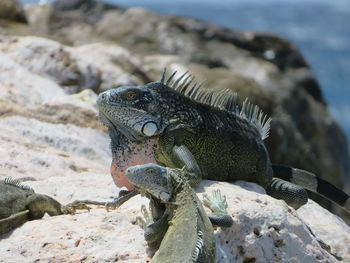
pixel 16 183
pixel 198 248
pixel 225 100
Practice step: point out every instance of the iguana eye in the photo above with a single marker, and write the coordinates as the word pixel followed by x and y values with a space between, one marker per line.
pixel 150 171
pixel 130 95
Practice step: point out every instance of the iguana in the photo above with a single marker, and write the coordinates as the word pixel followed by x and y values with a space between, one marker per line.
pixel 177 123
pixel 184 230
pixel 19 203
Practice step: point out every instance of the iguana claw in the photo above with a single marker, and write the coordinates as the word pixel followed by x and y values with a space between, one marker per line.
pixel 79 204
pixel 216 203
pixel 121 199
pixel 144 220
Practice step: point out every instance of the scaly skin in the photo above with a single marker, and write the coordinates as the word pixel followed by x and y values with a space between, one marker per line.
pixel 19 204
pixel 206 133
pixel 189 237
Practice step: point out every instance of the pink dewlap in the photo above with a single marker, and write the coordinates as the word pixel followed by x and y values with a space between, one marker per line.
pixel 140 153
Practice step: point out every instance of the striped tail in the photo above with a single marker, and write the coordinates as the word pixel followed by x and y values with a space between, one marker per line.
pixel 312 183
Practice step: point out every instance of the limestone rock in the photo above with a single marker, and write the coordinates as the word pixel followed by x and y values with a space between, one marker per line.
pixel 331 229
pixel 16 92
pixel 264 230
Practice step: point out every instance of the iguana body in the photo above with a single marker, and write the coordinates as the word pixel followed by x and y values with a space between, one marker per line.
pixel 207 133
pixel 19 203
pixel 189 237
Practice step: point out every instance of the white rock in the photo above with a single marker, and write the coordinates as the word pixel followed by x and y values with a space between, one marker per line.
pixel 20 86
pixel 114 62
pixel 83 142
pixel 97 66
pixel 97 236
pixel 44 57
pixel 264 230
pixel 328 227
pixel 85 99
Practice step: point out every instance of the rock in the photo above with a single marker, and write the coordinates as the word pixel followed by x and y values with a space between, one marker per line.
pixel 264 230
pixel 48 59
pixel 12 10
pixel 118 66
pixel 84 142
pixel 16 92
pixel 97 236
pixel 107 65
pixel 329 228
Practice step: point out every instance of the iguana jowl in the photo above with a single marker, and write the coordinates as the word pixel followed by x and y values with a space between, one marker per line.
pixel 184 230
pixel 177 123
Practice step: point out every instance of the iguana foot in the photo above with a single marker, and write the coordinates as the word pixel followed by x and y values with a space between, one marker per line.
pixel 79 204
pixel 294 195
pixel 144 220
pixel 217 204
pixel 121 199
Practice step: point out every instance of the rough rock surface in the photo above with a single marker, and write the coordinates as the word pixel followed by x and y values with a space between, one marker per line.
pixel 264 229
pixel 51 139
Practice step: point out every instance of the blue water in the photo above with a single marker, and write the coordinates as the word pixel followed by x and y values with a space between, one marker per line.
pixel 320 28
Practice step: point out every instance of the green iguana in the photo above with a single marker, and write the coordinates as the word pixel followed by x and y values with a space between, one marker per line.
pixel 177 123
pixel 184 230
pixel 19 203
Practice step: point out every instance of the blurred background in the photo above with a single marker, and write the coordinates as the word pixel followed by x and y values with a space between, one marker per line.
pixel 320 28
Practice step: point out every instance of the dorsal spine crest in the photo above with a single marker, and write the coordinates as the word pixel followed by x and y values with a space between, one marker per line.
pixel 17 183
pixel 225 100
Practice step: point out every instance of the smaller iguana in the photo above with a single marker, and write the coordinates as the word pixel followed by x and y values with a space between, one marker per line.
pixel 184 230
pixel 19 203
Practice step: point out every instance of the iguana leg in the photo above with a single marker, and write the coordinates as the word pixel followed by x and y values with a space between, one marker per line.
pixel 13 221
pixel 42 204
pixel 154 230
pixel 144 220
pixel 154 233
pixel 185 157
pixel 79 204
pixel 217 204
pixel 121 199
pixel 292 194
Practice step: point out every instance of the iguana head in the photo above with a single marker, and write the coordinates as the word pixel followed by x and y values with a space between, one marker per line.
pixel 140 112
pixel 152 179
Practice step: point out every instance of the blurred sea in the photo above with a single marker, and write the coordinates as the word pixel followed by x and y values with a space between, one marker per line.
pixel 320 28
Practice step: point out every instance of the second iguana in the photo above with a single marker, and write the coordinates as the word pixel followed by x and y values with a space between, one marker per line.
pixel 183 229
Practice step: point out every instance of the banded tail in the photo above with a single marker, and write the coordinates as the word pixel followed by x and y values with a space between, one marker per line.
pixel 312 183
